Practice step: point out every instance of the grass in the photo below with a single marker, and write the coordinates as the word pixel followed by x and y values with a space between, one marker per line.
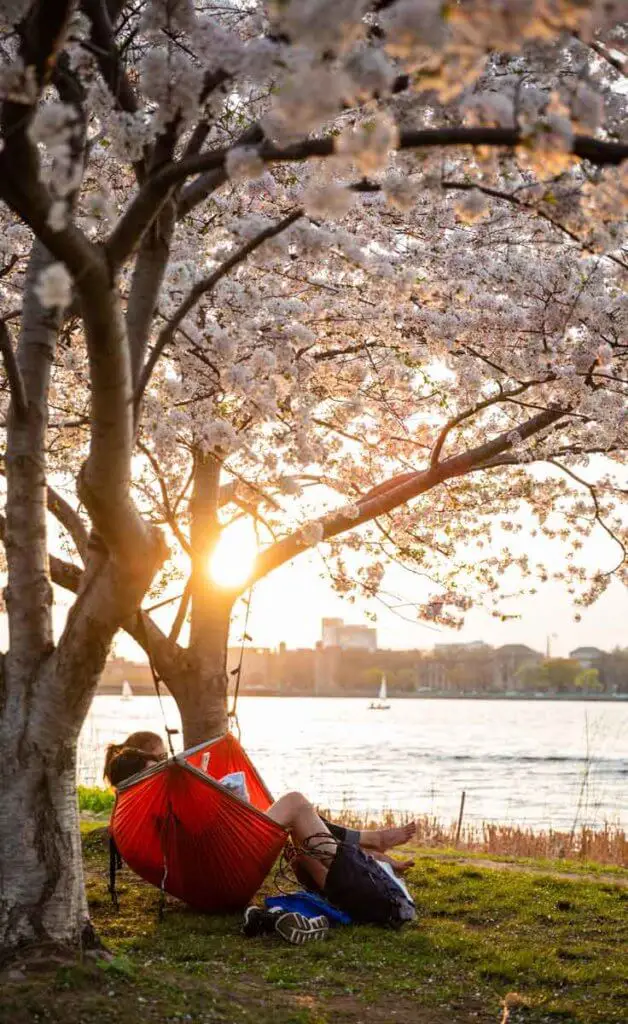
pixel 94 800
pixel 488 946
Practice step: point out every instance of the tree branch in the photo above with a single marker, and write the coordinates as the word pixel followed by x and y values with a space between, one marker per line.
pixel 14 377
pixel 63 574
pixel 597 511
pixel 411 485
pixel 494 193
pixel 503 396
pixel 205 184
pixel 169 512
pixel 179 618
pixel 145 205
pixel 42 35
pixel 70 520
pixel 203 288
pixel 66 515
pixel 103 46
pixel 163 651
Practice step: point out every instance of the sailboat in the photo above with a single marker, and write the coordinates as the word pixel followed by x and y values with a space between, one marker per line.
pixel 380 704
pixel 127 692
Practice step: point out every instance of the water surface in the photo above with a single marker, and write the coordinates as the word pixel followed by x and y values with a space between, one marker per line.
pixel 535 763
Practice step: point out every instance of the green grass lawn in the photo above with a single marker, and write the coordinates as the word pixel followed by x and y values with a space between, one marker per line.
pixel 555 950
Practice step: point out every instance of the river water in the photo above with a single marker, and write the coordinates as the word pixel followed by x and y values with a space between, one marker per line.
pixel 532 763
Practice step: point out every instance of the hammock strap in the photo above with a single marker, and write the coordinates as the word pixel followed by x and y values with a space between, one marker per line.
pixel 115 863
pixel 315 846
pixel 232 714
pixel 156 680
pixel 165 835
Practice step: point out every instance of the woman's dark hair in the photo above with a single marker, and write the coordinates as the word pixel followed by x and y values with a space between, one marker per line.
pixel 129 761
pixel 138 744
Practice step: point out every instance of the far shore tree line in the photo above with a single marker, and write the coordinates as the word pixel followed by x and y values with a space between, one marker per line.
pixel 355 673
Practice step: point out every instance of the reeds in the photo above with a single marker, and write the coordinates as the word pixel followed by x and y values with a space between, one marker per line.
pixel 605 845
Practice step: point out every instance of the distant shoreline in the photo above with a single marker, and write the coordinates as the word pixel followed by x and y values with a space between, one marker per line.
pixel 619 698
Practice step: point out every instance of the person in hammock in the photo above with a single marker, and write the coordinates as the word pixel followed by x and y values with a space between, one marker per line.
pixel 331 860
pixel 293 810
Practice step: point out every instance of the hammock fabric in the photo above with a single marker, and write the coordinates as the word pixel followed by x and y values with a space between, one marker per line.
pixel 179 829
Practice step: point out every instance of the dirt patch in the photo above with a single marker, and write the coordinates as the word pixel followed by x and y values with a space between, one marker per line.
pixel 353 1010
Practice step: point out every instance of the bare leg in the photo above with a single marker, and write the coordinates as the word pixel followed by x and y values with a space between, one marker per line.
pixel 307 829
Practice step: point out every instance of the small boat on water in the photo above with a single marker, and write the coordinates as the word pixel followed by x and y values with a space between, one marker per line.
pixel 127 691
pixel 380 704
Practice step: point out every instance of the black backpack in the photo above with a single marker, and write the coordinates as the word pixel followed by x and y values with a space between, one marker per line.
pixel 359 885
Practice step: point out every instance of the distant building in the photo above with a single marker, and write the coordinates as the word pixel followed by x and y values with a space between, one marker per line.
pixel 509 660
pixel 456 649
pixel 587 657
pixel 256 664
pixel 336 634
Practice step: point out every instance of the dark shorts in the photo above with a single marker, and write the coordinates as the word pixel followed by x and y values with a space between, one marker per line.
pixel 357 884
pixel 343 834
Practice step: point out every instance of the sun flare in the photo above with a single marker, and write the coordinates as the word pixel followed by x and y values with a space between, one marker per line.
pixel 233 559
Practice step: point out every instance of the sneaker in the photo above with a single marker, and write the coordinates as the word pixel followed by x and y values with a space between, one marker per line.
pixel 258 921
pixel 298 929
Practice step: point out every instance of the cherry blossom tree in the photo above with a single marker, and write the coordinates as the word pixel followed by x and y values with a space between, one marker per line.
pixel 365 251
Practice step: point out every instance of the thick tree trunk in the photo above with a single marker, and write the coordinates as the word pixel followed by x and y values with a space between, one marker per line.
pixel 199 682
pixel 42 897
pixel 198 679
pixel 201 699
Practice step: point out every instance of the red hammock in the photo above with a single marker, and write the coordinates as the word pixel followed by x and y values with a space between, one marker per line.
pixel 179 829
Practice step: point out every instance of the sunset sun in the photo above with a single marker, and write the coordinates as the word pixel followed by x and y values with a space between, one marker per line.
pixel 233 559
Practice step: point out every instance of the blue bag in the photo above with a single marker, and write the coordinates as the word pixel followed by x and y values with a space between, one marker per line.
pixel 308 904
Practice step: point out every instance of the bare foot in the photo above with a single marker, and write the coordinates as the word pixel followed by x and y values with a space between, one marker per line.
pixel 387 838
pixel 400 867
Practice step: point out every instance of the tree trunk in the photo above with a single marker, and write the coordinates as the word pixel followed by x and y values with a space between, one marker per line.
pixel 199 682
pixel 42 896
pixel 198 679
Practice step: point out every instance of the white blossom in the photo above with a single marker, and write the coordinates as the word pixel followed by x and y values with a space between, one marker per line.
pixel 412 25
pixel 52 124
pixel 370 71
pixel 54 286
pixel 323 24
pixel 328 201
pixel 472 206
pixel 58 215
pixel 18 82
pixel 369 143
pixel 243 162
pixel 400 191
pixel 312 533
pixel 587 106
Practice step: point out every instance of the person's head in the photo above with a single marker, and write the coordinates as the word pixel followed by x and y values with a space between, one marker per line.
pixel 137 752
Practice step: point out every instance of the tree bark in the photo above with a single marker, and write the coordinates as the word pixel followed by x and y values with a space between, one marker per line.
pixel 198 682
pixel 42 896
pixel 200 686
pixel 148 275
pixel 28 593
